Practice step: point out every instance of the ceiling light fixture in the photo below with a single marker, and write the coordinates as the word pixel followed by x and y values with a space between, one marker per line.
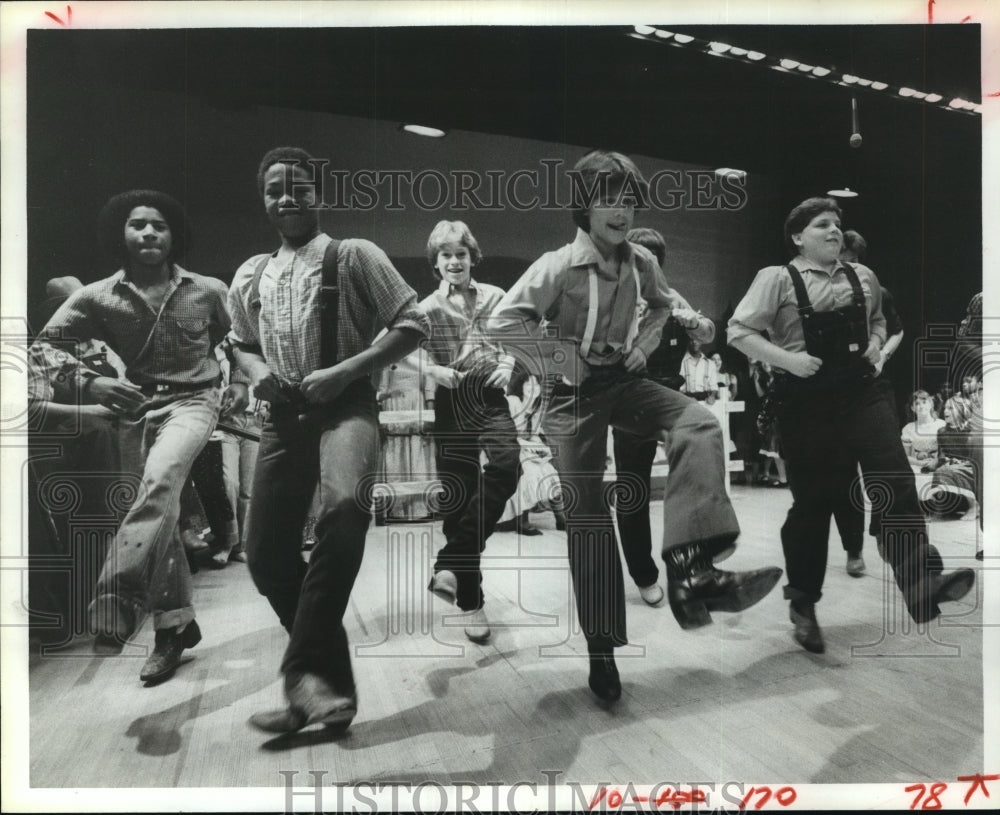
pixel 424 130
pixel 716 48
pixel 847 192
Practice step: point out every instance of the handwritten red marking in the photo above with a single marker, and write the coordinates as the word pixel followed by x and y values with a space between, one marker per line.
pixel 978 781
pixel 69 16
pixel 933 800
pixel 667 797
pixel 930 11
pixel 785 796
pixel 966 18
pixel 995 93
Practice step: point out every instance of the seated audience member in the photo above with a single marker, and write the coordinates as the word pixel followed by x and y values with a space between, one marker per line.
pixel 920 437
pixel 954 484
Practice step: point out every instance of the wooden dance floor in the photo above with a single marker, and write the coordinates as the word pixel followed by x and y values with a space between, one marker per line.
pixel 738 700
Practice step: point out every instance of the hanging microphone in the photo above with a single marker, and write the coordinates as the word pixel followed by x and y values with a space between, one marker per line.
pixel 855 134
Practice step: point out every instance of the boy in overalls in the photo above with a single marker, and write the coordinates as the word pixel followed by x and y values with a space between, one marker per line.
pixel 826 330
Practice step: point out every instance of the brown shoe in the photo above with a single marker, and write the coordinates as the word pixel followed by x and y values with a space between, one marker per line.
pixel 313 695
pixel 855 564
pixel 807 632
pixel 166 655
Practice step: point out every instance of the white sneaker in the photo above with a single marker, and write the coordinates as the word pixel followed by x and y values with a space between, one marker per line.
pixel 445 585
pixel 477 628
pixel 651 594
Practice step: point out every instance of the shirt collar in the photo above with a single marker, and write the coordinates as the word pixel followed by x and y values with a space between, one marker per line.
pixel 177 274
pixel 444 287
pixel 583 252
pixel 804 265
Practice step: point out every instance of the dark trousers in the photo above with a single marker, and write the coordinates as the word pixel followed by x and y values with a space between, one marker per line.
pixel 695 504
pixel 633 465
pixel 469 419
pixel 336 446
pixel 848 505
pixel 826 432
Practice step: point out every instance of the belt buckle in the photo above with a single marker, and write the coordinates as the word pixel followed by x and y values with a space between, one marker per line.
pixel 162 388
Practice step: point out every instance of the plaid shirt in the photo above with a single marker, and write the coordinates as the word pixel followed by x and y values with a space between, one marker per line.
pixel 373 295
pixel 175 346
pixel 460 340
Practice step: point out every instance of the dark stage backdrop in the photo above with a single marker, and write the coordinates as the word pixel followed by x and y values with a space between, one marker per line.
pixel 191 112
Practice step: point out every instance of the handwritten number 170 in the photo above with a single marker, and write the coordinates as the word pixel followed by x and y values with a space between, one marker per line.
pixel 784 796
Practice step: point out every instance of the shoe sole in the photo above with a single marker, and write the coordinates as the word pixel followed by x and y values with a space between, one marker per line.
pixel 958 585
pixel 696 613
pixel 479 639
pixel 749 594
pixel 811 647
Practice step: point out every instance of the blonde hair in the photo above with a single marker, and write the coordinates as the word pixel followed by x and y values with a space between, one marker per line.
pixel 455 232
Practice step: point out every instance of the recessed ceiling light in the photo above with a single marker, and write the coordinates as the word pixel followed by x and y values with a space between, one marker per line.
pixel 879 86
pixel 847 192
pixel 684 39
pixel 645 30
pixel 424 130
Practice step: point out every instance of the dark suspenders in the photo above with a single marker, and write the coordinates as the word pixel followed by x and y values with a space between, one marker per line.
pixel 806 307
pixel 329 301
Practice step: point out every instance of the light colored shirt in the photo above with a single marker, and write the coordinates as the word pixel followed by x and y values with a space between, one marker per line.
pixel 175 345
pixel 770 304
pixel 373 295
pixel 460 339
pixel 922 441
pixel 701 374
pixel 555 295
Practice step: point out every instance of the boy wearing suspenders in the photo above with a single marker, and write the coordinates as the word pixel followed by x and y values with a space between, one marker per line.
pixel 305 320
pixel 588 293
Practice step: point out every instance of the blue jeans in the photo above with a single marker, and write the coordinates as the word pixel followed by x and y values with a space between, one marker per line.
pixel 146 567
pixel 335 445
pixel 695 504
